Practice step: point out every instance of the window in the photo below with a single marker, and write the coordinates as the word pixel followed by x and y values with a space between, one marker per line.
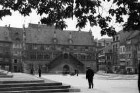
pixel 1 50
pixel 71 47
pixel 128 48
pixel 47 47
pixel 46 56
pixel 39 56
pixel 17 39
pixel 89 57
pixel 30 47
pixel 86 48
pixel 75 47
pixel 32 55
pixel 16 33
pixel 113 38
pixel 107 44
pixel 83 57
pixel 1 59
pixel 117 38
pixel 41 47
pixel 6 59
pixel 138 47
pixel 34 47
pixel 99 44
pixel 15 60
pixel 54 40
pixel 65 56
pixel 70 41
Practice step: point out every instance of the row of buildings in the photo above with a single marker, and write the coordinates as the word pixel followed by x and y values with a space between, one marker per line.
pixel 57 51
pixel 42 46
pixel 120 54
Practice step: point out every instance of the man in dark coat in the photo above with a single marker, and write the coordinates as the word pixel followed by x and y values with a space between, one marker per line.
pixel 89 76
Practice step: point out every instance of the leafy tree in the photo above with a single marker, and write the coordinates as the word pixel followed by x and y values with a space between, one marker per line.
pixel 57 11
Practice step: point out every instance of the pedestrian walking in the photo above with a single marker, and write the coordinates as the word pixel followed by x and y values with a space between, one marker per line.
pixel 39 72
pixel 89 76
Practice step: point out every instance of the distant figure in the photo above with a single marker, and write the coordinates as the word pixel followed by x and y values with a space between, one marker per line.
pixel 39 72
pixel 32 71
pixel 77 72
pixel 139 78
pixel 89 76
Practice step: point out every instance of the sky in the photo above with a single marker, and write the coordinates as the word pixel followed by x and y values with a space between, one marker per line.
pixel 16 20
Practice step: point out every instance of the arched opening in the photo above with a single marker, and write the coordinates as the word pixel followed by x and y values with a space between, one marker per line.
pixel 66 69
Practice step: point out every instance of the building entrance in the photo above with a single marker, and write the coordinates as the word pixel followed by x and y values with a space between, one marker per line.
pixel 66 69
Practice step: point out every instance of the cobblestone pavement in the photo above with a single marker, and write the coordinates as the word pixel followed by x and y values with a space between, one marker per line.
pixel 101 84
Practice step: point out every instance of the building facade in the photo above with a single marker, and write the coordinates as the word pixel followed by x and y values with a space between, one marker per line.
pixel 5 49
pixel 57 51
pixel 16 35
pixel 104 53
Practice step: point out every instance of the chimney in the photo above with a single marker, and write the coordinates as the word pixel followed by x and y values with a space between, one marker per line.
pixel 90 31
pixel 38 23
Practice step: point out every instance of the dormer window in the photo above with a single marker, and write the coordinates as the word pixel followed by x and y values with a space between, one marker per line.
pixel 70 41
pixel 55 40
pixel 70 38
pixel 17 39
pixel 129 42
pixel 16 33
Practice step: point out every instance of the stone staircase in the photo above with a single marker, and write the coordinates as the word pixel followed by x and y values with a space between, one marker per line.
pixel 32 85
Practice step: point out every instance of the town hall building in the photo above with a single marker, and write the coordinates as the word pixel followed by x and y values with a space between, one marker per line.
pixel 56 51
pixel 41 46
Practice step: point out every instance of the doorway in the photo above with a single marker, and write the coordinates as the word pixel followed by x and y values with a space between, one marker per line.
pixel 66 69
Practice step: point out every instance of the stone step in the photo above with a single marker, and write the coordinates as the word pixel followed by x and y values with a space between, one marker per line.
pixel 33 88
pixel 38 91
pixel 28 84
pixel 24 81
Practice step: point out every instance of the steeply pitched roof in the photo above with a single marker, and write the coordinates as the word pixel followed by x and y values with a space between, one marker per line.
pixel 134 34
pixel 123 36
pixel 4 34
pixel 45 34
pixel 13 31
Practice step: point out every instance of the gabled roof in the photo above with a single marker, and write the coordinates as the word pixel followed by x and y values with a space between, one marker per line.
pixel 4 34
pixel 13 31
pixel 44 35
pixel 123 36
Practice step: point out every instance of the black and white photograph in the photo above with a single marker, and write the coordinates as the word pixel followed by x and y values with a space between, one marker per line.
pixel 69 46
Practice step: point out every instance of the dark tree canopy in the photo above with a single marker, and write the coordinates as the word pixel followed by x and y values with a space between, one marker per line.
pixel 57 11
